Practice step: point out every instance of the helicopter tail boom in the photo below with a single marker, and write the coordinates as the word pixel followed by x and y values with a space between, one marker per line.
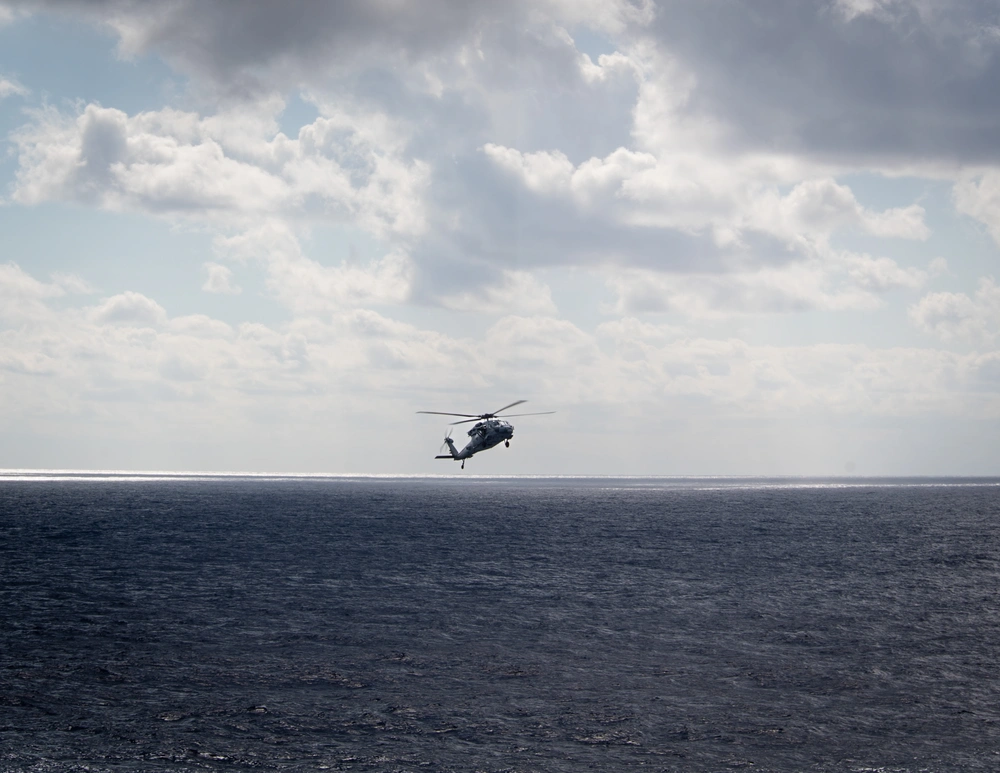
pixel 451 447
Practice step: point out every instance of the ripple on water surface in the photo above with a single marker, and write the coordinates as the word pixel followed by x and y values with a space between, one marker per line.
pixel 276 623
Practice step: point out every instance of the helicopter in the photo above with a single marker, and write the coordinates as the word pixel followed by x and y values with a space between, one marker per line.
pixel 488 431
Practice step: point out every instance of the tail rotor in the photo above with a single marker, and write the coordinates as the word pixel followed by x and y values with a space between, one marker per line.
pixel 452 453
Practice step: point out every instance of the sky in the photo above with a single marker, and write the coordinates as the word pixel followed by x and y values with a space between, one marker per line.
pixel 716 237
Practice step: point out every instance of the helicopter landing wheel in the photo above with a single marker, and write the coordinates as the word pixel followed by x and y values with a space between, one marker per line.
pixel 507 443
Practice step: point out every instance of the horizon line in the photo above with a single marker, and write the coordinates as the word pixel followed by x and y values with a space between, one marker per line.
pixel 41 472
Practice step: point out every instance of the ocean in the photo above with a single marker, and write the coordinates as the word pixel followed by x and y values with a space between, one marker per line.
pixel 268 623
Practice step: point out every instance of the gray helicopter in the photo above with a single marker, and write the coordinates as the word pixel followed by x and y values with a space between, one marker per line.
pixel 490 430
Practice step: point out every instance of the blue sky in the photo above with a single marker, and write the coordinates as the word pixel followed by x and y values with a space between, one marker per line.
pixel 716 238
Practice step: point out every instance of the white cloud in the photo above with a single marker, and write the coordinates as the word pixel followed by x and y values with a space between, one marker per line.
pixel 881 274
pixel 178 163
pixel 220 280
pixel 831 281
pixel 799 271
pixel 851 9
pixel 959 317
pixel 72 283
pixel 656 366
pixel 10 87
pixel 987 369
pixel 613 17
pixel 25 363
pixel 608 66
pixel 516 292
pixel 130 309
pixel 545 355
pixel 200 326
pixel 22 297
pixel 754 380
pixel 937 267
pixel 128 342
pixel 125 369
pixel 699 192
pixel 795 288
pixel 978 196
pixel 630 329
pixel 306 286
pixel 821 206
pixel 541 172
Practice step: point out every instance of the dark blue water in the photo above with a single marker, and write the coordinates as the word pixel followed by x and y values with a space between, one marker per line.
pixel 498 625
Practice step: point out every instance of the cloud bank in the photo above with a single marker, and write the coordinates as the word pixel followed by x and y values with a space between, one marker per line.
pixel 604 200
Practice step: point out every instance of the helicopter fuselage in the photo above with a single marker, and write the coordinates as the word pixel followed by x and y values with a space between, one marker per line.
pixel 483 436
pixel 486 434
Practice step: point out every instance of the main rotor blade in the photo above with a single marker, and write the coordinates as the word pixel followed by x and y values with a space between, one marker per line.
pixel 506 407
pixel 464 421
pixel 515 415
pixel 441 413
